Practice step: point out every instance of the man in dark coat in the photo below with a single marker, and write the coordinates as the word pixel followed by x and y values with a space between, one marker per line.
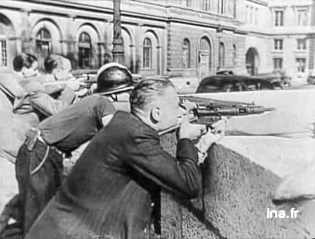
pixel 39 164
pixel 109 192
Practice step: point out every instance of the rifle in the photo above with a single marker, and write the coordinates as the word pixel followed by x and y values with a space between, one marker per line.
pixel 88 80
pixel 210 112
pixel 88 77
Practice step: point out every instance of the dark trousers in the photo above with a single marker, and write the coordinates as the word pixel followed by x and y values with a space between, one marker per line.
pixel 37 188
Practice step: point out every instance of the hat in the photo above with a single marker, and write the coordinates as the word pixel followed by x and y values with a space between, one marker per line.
pixel 113 78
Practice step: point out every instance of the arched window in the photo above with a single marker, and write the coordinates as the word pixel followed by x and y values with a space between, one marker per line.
pixel 3 51
pixel 84 50
pixel 186 54
pixel 147 54
pixel 234 55
pixel 204 44
pixel 204 57
pixel 43 42
pixel 221 54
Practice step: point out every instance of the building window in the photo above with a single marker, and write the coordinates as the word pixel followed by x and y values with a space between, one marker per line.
pixel 301 63
pixel 3 55
pixel 84 50
pixel 277 63
pixel 221 55
pixel 302 17
pixel 204 44
pixel 278 18
pixel 234 56
pixel 147 53
pixel 278 44
pixel 205 5
pixel 43 42
pixel 301 44
pixel 186 54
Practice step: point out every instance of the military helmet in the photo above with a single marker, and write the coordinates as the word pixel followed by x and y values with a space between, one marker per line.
pixel 113 78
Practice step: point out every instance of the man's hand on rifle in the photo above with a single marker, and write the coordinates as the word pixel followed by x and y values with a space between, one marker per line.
pixel 82 92
pixel 74 84
pixel 187 106
pixel 191 131
pixel 214 134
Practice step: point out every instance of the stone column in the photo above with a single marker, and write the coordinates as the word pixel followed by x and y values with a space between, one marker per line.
pixel 118 46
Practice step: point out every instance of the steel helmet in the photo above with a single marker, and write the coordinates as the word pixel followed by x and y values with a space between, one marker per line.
pixel 113 78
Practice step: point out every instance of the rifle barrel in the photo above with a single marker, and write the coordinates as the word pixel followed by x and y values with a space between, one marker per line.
pixel 232 111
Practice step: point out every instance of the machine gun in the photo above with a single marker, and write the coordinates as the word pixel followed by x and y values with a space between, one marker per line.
pixel 209 111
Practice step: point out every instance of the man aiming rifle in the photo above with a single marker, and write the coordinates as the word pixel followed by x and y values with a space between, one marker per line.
pixel 112 187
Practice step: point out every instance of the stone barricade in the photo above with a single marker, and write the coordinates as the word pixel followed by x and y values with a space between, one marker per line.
pixel 236 196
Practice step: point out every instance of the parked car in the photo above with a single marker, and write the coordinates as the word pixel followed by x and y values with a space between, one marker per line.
pixel 230 83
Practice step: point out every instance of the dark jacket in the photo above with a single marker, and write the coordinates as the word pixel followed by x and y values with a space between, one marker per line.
pixel 108 193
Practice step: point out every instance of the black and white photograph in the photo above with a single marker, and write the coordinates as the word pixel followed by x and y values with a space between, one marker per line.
pixel 157 119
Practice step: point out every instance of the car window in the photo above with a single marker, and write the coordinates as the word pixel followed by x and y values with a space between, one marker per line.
pixel 208 88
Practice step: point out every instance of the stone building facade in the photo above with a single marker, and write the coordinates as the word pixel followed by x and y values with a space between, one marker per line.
pixel 280 36
pixel 165 37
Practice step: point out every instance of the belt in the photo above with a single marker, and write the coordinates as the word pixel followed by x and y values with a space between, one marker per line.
pixel 34 135
pixel 40 138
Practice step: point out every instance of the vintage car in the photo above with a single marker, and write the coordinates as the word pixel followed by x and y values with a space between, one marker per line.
pixel 232 83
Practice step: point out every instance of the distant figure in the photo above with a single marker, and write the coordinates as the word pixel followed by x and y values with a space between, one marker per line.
pixel 25 65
